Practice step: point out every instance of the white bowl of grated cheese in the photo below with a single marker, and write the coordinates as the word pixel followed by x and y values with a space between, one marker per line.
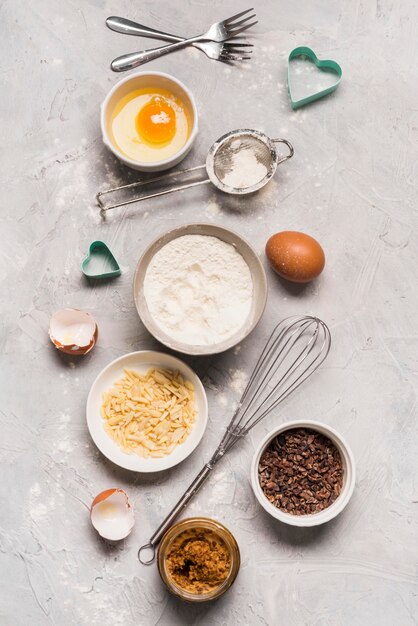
pixel 200 289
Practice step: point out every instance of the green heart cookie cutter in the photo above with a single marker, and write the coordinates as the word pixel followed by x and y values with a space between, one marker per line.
pixel 100 251
pixel 325 65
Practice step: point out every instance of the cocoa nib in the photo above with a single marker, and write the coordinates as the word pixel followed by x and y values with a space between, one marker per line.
pixel 301 471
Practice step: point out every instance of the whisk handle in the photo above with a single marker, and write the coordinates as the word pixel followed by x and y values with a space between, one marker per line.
pixel 192 489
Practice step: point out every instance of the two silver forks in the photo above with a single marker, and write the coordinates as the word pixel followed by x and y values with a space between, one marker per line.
pixel 218 43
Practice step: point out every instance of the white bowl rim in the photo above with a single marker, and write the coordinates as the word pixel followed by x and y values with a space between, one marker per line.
pixel 195 350
pixel 120 155
pixel 337 506
pixel 131 461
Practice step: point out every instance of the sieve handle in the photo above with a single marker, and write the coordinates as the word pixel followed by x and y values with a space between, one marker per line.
pixel 289 145
pixel 107 207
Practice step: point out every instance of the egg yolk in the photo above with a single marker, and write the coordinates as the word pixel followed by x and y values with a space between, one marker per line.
pixel 156 121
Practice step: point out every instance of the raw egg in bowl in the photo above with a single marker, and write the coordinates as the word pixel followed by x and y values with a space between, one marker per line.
pixel 149 121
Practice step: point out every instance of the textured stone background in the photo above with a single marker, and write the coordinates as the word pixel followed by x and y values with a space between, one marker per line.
pixel 352 184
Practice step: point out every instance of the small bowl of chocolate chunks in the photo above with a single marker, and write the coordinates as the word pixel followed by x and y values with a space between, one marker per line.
pixel 303 473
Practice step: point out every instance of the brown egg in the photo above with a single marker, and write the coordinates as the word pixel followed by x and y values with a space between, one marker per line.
pixel 295 256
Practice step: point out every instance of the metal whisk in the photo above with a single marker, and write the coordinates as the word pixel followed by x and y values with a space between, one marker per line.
pixel 294 350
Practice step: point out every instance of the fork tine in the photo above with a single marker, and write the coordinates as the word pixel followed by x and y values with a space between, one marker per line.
pixel 234 48
pixel 231 43
pixel 241 44
pixel 236 24
pixel 235 17
pixel 233 33
pixel 237 51
pixel 234 57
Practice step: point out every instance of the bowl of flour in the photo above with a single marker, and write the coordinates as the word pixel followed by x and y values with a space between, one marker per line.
pixel 200 289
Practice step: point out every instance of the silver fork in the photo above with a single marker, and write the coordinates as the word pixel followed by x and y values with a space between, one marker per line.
pixel 218 32
pixel 225 51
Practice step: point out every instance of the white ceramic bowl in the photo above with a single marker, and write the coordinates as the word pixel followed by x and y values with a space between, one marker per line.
pixel 139 81
pixel 250 257
pixel 349 476
pixel 142 361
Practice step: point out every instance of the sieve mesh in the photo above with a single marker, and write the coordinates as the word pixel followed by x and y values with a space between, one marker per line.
pixel 226 161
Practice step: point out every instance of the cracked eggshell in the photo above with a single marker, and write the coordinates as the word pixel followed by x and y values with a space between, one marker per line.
pixel 73 331
pixel 112 515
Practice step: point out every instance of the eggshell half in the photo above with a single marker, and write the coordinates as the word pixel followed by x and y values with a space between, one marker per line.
pixel 73 331
pixel 112 515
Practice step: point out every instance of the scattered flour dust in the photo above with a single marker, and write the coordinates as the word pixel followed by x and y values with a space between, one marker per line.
pixel 222 399
pixel 198 289
pixel 212 208
pixel 222 488
pixel 37 507
pixel 239 379
pixel 63 419
pixel 64 447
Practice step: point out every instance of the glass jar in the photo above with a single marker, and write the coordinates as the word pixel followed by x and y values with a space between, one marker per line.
pixel 198 524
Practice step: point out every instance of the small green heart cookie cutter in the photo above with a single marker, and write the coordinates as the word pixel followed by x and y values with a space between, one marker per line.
pixel 99 250
pixel 326 65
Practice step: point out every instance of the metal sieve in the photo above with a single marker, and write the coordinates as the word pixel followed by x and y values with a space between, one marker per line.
pixel 220 162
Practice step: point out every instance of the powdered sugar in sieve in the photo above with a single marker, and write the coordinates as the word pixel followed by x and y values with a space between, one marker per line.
pixel 243 161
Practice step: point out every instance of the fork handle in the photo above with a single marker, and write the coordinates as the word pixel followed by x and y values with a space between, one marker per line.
pixel 134 59
pixel 128 27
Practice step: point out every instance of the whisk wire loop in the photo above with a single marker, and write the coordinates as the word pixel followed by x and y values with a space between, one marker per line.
pixel 278 371
pixel 266 388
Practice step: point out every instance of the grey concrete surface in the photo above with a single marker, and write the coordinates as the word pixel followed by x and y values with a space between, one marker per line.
pixel 352 184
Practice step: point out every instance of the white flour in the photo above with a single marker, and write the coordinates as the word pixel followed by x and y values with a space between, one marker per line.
pixel 198 289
